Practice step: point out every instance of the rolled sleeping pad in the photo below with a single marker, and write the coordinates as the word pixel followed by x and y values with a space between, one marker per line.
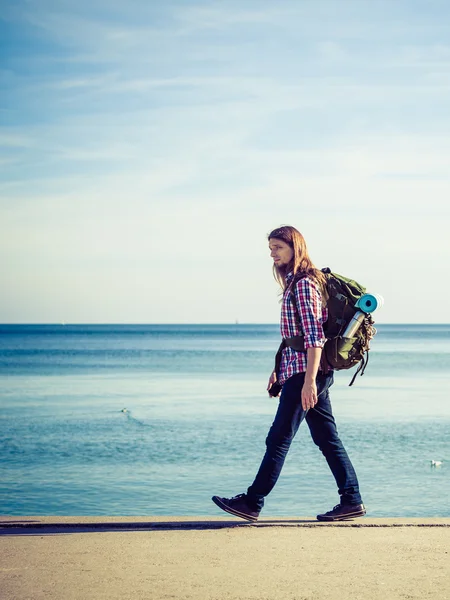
pixel 369 302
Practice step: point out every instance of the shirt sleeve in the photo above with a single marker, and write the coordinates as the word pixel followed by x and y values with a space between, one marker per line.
pixel 309 304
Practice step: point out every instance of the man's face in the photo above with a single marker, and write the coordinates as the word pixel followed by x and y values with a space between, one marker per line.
pixel 281 252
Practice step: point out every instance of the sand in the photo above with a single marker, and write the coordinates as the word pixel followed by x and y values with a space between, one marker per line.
pixel 223 559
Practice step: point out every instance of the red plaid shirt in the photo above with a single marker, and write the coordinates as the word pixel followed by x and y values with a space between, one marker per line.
pixel 312 312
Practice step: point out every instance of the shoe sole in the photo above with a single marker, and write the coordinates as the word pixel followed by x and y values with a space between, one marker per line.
pixel 345 517
pixel 236 513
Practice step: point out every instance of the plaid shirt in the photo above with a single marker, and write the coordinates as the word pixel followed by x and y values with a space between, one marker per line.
pixel 312 316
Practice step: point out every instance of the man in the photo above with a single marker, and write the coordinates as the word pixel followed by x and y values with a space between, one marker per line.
pixel 304 381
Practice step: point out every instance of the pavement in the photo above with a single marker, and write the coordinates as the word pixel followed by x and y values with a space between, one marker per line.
pixel 204 558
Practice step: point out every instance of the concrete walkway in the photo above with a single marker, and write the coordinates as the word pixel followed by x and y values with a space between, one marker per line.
pixel 223 558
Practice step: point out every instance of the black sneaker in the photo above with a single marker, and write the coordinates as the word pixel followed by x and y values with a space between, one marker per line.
pixel 237 506
pixel 341 512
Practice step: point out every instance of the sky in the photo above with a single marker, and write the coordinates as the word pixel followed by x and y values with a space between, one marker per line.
pixel 147 148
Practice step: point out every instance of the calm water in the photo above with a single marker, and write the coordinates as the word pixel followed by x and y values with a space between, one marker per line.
pixel 197 417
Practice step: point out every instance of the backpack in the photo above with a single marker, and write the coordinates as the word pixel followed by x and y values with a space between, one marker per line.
pixel 340 352
pixel 346 352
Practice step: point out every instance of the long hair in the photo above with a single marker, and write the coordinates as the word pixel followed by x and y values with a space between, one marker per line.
pixel 301 264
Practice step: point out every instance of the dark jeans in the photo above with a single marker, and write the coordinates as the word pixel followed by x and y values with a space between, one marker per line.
pixel 323 431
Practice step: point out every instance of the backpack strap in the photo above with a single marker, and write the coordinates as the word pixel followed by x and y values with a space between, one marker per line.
pixel 278 357
pixel 296 343
pixel 361 368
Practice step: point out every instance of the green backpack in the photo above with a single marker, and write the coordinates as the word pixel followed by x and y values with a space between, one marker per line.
pixel 346 352
pixel 341 352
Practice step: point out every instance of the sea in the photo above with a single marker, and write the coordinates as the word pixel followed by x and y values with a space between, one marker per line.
pixel 151 420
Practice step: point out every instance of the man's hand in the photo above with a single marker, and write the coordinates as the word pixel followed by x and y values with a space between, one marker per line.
pixel 309 389
pixel 272 381
pixel 309 394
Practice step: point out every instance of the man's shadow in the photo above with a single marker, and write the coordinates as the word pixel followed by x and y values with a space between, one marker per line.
pixel 36 527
